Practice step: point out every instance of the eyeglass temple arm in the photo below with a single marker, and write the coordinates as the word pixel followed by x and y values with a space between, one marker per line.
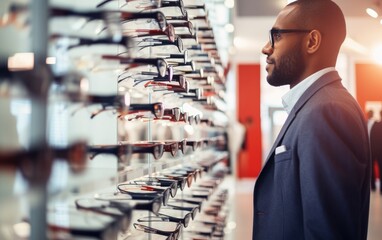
pixel 103 150
pixel 108 100
pixel 128 60
pixel 142 107
pixel 63 12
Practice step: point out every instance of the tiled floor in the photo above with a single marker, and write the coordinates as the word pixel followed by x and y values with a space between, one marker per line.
pixel 242 212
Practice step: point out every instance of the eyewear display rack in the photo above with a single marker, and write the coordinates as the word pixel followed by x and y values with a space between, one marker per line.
pixel 115 118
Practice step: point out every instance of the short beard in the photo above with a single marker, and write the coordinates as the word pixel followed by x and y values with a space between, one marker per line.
pixel 288 70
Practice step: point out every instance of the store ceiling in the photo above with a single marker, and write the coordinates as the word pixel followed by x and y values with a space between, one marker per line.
pixel 364 33
pixel 250 8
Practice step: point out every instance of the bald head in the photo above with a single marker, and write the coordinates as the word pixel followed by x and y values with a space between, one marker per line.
pixel 305 38
pixel 324 16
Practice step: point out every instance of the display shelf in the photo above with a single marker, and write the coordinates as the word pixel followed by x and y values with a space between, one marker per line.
pixel 131 173
pixel 109 64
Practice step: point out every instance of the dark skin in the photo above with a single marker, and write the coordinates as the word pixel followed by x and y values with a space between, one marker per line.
pixel 295 56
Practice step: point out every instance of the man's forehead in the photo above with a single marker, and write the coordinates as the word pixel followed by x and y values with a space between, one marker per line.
pixel 287 17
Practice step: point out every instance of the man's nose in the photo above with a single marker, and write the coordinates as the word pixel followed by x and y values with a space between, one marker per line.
pixel 267 49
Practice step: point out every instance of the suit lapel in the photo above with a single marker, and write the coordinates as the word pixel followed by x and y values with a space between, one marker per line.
pixel 321 82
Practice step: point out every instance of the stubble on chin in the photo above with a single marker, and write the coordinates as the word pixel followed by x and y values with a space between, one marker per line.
pixel 287 70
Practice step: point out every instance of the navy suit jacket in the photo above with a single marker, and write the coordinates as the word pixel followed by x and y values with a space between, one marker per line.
pixel 319 188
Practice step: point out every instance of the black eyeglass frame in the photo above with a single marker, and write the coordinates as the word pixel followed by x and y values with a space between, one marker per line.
pixel 274 31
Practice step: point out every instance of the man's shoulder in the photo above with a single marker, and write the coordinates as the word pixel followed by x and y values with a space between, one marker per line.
pixel 377 126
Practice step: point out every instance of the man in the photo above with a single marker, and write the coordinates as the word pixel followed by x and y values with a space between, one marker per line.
pixel 371 127
pixel 375 132
pixel 315 183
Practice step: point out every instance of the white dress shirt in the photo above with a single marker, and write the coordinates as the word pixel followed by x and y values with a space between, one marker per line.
pixel 292 96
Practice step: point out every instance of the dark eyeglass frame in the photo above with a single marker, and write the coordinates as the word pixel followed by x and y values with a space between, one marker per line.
pixel 184 117
pixel 170 87
pixel 194 144
pixel 156 149
pixel 193 210
pixel 183 56
pixel 185 220
pixel 187 178
pixel 169 31
pixel 117 102
pixel 177 3
pixel 185 24
pixel 200 6
pixel 154 203
pixel 195 170
pixel 172 113
pixel 190 63
pixel 171 235
pixel 109 15
pixel 164 192
pixel 275 31
pixel 111 227
pixel 162 42
pixel 159 17
pixel 172 184
pixel 190 174
pixel 82 41
pixel 123 151
pixel 182 181
pixel 183 17
pixel 172 147
pixel 74 154
pixel 195 94
pixel 178 78
pixel 159 63
pixel 156 109
pixel 156 3
pixel 182 145
pixel 123 214
pixel 168 77
pixel 123 208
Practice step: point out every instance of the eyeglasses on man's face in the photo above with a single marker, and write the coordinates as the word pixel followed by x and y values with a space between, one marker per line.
pixel 275 34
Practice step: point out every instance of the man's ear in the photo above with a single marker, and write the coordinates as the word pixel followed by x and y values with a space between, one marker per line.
pixel 314 41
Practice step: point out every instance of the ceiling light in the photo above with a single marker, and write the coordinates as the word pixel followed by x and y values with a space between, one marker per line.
pixel 21 61
pixel 377 51
pixel 229 27
pixel 372 12
pixel 51 60
pixel 229 3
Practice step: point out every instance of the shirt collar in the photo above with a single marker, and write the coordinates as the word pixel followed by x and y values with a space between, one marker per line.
pixel 291 97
